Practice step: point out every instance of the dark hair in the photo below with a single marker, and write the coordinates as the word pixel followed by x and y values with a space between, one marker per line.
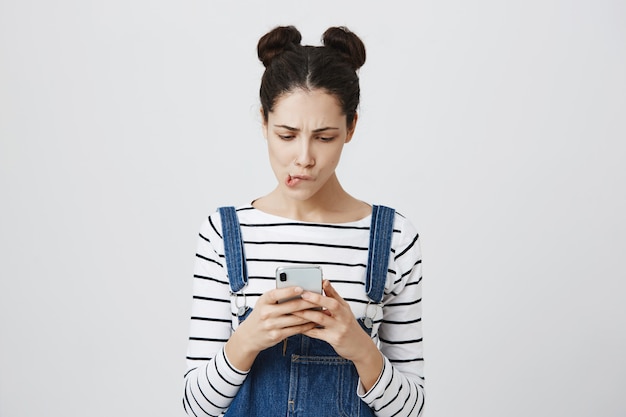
pixel 332 67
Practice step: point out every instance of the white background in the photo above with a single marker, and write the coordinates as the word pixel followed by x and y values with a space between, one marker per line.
pixel 498 127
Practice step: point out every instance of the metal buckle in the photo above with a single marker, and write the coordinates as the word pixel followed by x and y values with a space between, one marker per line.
pixel 241 310
pixel 368 320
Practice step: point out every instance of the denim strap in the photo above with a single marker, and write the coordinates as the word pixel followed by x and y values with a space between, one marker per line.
pixel 233 249
pixel 381 231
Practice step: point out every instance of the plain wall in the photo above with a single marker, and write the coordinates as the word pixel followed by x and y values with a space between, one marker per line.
pixel 498 127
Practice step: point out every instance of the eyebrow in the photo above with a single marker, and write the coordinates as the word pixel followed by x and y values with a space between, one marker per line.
pixel 295 129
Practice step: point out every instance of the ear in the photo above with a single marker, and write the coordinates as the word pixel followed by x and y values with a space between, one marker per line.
pixel 263 123
pixel 352 128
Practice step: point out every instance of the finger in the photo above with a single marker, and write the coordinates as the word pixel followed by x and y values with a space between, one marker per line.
pixel 295 304
pixel 330 301
pixel 320 317
pixel 276 335
pixel 278 294
pixel 329 290
pixel 315 333
pixel 303 328
pixel 277 310
pixel 290 320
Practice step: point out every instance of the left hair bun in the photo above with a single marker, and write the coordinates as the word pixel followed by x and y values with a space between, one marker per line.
pixel 277 41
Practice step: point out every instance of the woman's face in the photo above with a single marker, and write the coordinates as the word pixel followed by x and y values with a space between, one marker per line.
pixel 305 136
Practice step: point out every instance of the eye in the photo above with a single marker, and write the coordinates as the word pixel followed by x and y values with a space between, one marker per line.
pixel 286 137
pixel 325 139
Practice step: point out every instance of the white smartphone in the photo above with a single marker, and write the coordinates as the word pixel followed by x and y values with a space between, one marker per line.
pixel 308 278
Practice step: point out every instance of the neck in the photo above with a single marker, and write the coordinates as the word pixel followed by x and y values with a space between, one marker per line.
pixel 332 204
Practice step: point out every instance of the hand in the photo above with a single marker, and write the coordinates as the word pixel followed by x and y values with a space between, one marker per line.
pixel 268 324
pixel 341 330
pixel 336 324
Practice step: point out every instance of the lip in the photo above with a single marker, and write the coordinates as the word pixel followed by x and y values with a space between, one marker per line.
pixel 292 180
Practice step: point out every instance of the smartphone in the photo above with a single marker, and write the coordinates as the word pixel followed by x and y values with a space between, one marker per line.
pixel 308 278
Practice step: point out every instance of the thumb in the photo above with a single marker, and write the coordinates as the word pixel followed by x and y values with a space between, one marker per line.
pixel 329 290
pixel 278 294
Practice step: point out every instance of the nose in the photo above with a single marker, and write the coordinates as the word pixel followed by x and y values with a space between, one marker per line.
pixel 305 158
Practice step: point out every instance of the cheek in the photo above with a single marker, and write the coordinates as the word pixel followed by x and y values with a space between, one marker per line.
pixel 278 154
pixel 333 159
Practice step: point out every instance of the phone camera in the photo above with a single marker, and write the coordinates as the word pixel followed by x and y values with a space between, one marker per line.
pixel 283 277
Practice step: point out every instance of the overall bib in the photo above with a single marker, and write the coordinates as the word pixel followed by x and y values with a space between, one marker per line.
pixel 302 376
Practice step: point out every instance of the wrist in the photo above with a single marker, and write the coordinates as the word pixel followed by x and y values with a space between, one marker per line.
pixel 239 352
pixel 369 365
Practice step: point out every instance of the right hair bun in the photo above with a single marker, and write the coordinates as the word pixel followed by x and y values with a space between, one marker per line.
pixel 277 41
pixel 347 43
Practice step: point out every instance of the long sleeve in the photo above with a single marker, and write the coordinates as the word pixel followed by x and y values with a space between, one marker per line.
pixel 210 381
pixel 399 390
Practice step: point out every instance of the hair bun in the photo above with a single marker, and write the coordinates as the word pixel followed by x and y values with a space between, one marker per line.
pixel 277 41
pixel 347 43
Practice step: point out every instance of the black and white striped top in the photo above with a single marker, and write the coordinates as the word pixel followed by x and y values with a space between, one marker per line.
pixel 341 249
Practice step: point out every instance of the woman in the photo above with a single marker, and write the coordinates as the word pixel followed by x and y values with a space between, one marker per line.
pixel 355 349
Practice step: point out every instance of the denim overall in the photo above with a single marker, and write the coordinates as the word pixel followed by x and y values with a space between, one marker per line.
pixel 303 376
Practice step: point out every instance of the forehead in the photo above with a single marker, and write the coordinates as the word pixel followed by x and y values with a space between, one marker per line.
pixel 308 104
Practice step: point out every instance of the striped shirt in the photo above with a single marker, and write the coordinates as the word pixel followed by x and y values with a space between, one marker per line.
pixel 211 382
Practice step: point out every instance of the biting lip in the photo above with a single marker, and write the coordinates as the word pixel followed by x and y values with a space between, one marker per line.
pixel 295 179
